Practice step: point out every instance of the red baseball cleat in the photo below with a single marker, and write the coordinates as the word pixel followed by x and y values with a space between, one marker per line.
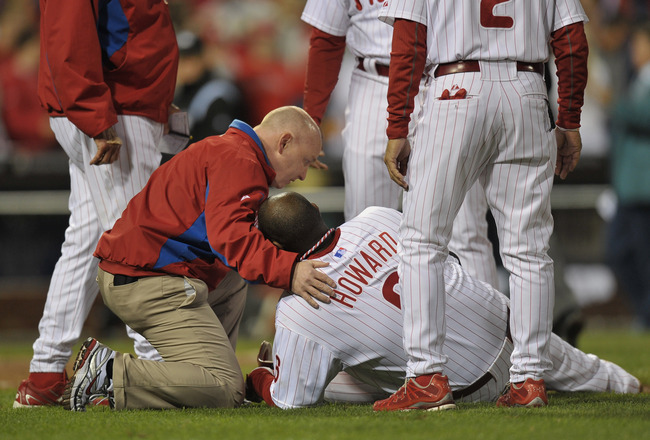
pixel 30 396
pixel 530 393
pixel 434 395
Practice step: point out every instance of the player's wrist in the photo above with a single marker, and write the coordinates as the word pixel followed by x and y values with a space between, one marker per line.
pixel 566 129
pixel 110 134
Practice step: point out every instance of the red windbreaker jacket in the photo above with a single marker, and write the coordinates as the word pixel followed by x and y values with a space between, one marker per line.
pixel 196 217
pixel 100 59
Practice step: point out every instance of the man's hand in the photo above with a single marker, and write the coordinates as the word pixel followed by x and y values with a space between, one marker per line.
pixel 317 164
pixel 309 283
pixel 108 147
pixel 569 145
pixel 396 159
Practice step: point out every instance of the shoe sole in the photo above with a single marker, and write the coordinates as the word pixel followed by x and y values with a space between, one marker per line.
pixel 537 402
pixel 74 389
pixel 18 405
pixel 446 403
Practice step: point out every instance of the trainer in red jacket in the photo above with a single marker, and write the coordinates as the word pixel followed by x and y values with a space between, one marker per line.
pixel 170 267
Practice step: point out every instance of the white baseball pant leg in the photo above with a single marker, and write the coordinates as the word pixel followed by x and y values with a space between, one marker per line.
pixel 345 388
pixel 98 196
pixel 438 176
pixel 575 370
pixel 518 183
pixel 364 139
pixel 469 237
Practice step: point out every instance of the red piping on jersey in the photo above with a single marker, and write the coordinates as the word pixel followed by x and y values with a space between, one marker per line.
pixel 329 248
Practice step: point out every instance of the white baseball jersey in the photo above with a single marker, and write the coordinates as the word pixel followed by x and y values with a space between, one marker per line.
pixel 364 136
pixel 487 30
pixel 500 135
pixel 360 331
pixel 356 20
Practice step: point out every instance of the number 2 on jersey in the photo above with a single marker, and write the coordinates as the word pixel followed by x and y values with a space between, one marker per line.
pixel 489 20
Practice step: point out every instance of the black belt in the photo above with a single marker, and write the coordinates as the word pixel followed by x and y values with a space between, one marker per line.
pixel 458 394
pixel 473 66
pixel 382 69
pixel 487 376
pixel 121 280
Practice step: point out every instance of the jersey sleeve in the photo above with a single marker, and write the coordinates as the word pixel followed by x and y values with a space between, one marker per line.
pixel 329 16
pixel 407 62
pixel 323 66
pixel 234 196
pixel 413 10
pixel 568 12
pixel 302 369
pixel 76 69
pixel 571 51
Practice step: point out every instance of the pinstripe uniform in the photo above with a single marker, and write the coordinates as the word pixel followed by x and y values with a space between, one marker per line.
pixel 364 134
pixel 360 332
pixel 87 90
pixel 500 135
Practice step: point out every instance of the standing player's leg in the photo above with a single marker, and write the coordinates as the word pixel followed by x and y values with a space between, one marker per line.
pixel 518 187
pixel 115 185
pixel 444 163
pixel 73 288
pixel 469 238
pixel 439 174
pixel 364 138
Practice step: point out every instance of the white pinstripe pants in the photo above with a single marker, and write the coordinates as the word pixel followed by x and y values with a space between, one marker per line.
pixel 98 195
pixel 501 136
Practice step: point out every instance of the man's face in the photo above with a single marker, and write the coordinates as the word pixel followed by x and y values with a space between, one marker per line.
pixel 294 161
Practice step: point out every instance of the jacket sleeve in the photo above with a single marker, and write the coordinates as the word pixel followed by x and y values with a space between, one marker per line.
pixel 232 203
pixel 74 61
pixel 323 67
pixel 570 48
pixel 407 60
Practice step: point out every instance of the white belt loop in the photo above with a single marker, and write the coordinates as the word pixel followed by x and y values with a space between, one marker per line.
pixel 369 65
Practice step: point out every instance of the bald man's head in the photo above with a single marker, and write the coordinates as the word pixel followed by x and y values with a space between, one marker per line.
pixel 292 141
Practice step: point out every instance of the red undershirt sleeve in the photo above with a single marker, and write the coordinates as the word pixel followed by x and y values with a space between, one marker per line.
pixel 323 66
pixel 570 48
pixel 407 61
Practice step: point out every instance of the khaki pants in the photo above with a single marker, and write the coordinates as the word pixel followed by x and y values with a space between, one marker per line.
pixel 194 331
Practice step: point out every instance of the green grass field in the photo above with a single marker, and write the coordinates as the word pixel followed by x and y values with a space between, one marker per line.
pixel 569 416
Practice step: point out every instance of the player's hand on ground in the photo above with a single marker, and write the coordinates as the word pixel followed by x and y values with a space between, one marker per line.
pixel 108 147
pixel 308 282
pixel 396 159
pixel 569 145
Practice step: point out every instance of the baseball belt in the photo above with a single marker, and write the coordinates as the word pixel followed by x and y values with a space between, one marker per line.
pixel 473 66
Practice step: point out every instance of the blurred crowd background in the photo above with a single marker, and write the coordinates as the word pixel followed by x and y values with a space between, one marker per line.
pixel 242 58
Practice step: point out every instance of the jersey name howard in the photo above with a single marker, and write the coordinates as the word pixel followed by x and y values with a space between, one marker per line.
pixel 364 266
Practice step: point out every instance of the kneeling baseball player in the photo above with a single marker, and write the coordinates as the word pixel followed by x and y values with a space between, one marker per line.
pixel 351 349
